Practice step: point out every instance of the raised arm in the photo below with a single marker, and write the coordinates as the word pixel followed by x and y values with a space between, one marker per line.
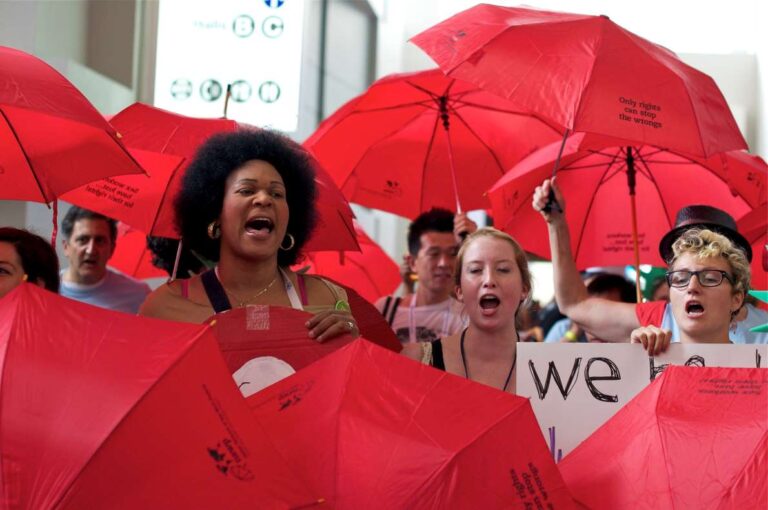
pixel 607 320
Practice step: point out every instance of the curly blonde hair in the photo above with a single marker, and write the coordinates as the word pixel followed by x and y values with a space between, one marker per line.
pixel 703 243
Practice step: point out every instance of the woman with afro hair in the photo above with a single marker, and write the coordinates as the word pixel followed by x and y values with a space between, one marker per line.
pixel 247 202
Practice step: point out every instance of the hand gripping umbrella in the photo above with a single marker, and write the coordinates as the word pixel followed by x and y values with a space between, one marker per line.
pixel 695 438
pixel 372 429
pixel 102 409
pixel 419 140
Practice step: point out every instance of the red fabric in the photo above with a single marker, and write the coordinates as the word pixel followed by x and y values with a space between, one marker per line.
pixel 369 428
pixel 695 438
pixel 102 409
pixel 255 331
pixel 388 148
pixel 597 201
pixel 587 74
pixel 131 255
pixel 754 227
pixel 371 272
pixel 650 313
pixel 51 138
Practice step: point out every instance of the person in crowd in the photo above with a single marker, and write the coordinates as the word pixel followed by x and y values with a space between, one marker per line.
pixel 431 312
pixel 612 321
pixel 660 289
pixel 493 283
pixel 89 242
pixel 603 285
pixel 708 278
pixel 247 202
pixel 25 256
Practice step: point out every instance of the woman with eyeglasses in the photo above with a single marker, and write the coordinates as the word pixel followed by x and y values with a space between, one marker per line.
pixel 708 278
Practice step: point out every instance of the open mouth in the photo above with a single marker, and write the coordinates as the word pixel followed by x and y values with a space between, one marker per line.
pixel 489 302
pixel 260 225
pixel 694 309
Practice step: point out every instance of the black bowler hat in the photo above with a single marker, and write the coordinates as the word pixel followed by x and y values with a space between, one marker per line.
pixel 703 216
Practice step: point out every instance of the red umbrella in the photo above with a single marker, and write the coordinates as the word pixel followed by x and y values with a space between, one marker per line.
pixel 695 438
pixel 165 137
pixel 585 74
pixel 599 210
pixel 372 429
pixel 102 409
pixel 371 272
pixel 754 227
pixel 51 138
pixel 420 140
pixel 252 332
pixel 131 255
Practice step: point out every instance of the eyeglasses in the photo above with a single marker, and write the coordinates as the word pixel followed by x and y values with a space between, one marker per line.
pixel 707 278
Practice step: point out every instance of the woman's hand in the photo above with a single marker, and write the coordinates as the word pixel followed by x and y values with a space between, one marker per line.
pixel 463 226
pixel 332 323
pixel 541 197
pixel 655 340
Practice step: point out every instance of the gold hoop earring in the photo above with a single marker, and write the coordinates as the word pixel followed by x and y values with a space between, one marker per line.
pixel 214 230
pixel 291 239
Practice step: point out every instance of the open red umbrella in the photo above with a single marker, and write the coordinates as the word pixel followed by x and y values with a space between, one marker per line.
pixel 419 140
pixel 373 429
pixel 102 409
pixel 169 141
pixel 131 255
pixel 261 331
pixel 371 272
pixel 52 139
pixel 754 227
pixel 585 74
pixel 595 184
pixel 695 438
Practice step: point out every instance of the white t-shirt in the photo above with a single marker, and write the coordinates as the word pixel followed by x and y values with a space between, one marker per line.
pixel 424 323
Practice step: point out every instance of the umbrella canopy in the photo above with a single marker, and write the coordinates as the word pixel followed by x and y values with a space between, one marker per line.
pixel 131 255
pixel 419 140
pixel 754 227
pixel 51 138
pixel 586 74
pixel 262 331
pixel 695 438
pixel 371 272
pixel 598 204
pixel 167 142
pixel 102 409
pixel 373 429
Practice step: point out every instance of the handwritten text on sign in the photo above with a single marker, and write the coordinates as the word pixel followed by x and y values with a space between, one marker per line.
pixel 575 388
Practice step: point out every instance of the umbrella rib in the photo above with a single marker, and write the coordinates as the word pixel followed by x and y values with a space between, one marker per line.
pixel 589 210
pixel 502 170
pixel 658 189
pixel 555 127
pixel 26 157
pixel 426 159
pixel 424 102
pixel 164 195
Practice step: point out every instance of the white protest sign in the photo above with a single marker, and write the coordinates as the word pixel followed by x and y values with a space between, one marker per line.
pixel 575 388
pixel 252 45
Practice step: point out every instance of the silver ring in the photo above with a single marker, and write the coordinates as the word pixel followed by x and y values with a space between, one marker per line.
pixel 351 325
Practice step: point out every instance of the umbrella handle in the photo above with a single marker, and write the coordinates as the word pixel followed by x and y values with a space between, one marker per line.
pixel 551 200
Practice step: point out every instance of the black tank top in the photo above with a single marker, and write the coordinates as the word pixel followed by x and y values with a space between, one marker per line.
pixel 437 355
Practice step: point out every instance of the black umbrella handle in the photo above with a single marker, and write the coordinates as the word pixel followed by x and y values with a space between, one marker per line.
pixel 552 203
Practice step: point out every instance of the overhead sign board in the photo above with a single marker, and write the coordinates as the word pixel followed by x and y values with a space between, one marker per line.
pixel 254 47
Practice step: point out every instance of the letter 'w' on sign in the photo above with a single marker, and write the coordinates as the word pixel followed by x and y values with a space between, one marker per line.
pixel 552 373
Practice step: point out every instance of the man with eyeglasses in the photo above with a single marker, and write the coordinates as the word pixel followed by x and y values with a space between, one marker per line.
pixel 615 322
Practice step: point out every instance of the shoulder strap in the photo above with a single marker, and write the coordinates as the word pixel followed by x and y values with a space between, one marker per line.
pixel 437 355
pixel 387 302
pixel 392 312
pixel 302 288
pixel 215 292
